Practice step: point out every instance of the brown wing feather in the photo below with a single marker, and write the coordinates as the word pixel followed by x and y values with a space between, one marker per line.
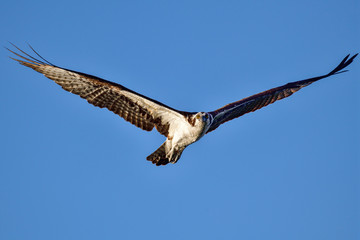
pixel 257 101
pixel 133 107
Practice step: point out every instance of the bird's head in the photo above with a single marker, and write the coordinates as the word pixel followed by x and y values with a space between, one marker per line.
pixel 203 119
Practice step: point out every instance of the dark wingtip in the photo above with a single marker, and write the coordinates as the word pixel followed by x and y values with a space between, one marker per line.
pixel 39 55
pixel 25 55
pixel 344 63
pixel 353 57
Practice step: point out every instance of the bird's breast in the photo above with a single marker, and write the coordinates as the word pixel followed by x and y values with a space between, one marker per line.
pixel 185 134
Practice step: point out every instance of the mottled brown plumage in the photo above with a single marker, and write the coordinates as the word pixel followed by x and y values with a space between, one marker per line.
pixel 101 93
pixel 257 101
pixel 180 128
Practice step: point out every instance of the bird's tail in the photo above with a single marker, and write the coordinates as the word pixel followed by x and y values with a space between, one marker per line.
pixel 159 156
pixel 163 156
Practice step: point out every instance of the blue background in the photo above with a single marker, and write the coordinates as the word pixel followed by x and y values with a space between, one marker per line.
pixel 69 170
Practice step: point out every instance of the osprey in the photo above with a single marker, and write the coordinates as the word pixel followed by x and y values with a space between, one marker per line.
pixel 179 127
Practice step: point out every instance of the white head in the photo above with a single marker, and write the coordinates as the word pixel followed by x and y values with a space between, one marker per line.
pixel 203 120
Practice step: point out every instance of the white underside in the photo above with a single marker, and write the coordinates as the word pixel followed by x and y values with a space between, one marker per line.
pixel 181 133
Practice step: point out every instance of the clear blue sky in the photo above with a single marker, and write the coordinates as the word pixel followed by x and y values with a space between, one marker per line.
pixel 69 170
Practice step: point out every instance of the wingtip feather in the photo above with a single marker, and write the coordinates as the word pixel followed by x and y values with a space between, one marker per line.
pixel 343 64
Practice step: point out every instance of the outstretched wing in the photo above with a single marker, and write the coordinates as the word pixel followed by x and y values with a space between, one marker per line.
pixel 137 109
pixel 257 101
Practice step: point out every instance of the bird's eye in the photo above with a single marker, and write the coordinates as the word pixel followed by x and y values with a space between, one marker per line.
pixel 206 116
pixel 198 116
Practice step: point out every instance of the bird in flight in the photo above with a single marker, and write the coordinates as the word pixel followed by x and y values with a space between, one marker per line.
pixel 179 127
